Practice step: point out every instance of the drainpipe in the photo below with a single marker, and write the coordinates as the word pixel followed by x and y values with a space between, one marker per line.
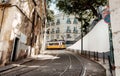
pixel 2 18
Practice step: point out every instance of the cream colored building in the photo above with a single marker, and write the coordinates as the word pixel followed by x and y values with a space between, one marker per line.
pixel 21 24
pixel 65 27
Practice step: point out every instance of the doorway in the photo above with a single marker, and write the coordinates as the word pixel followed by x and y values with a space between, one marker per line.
pixel 14 51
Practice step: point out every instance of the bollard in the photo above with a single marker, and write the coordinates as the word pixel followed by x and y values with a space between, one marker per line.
pixel 97 57
pixel 81 52
pixel 103 58
pixel 89 53
pixel 85 53
pixel 110 65
pixel 94 55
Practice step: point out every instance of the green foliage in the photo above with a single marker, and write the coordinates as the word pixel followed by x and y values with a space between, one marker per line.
pixel 48 2
pixel 84 10
pixel 50 13
pixel 80 6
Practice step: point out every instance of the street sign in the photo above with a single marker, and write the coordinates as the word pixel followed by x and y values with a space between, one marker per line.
pixel 106 15
pixel 107 18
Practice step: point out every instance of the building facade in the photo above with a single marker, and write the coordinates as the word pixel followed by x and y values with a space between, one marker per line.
pixel 21 26
pixel 65 27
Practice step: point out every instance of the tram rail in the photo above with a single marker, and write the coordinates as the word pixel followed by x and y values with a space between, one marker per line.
pixel 67 64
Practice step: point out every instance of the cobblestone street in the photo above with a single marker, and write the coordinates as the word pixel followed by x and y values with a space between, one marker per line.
pixel 56 63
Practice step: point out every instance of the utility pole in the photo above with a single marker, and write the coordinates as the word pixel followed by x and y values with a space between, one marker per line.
pixel 108 21
pixel 81 33
pixel 81 37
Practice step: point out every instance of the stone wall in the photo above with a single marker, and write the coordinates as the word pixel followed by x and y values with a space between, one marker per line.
pixel 22 20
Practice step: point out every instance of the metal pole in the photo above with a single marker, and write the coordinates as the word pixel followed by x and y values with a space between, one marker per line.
pixel 94 55
pixel 97 57
pixel 81 37
pixel 85 53
pixel 111 44
pixel 89 54
pixel 110 65
pixel 103 58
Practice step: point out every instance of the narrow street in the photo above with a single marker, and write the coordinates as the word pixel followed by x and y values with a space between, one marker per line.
pixel 56 63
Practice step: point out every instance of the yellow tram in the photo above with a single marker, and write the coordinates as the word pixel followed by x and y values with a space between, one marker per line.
pixel 55 45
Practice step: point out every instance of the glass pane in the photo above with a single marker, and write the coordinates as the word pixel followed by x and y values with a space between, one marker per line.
pixel 75 21
pixel 68 21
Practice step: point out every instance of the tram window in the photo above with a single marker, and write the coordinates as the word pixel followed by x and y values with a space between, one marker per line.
pixel 50 43
pixel 56 43
pixel 53 43
pixel 63 43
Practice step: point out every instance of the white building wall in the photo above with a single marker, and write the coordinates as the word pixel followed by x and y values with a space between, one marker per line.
pixel 7 27
pixel 63 27
pixel 96 40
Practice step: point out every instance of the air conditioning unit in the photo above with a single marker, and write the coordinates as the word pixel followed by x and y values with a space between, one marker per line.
pixel 3 2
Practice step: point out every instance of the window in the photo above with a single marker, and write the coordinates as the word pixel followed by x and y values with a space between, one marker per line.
pixel 58 30
pixel 48 31
pixel 75 30
pixel 68 30
pixel 53 31
pixel 52 23
pixel 48 24
pixel 69 36
pixel 48 37
pixel 57 36
pixel 68 21
pixel 58 22
pixel 52 37
pixel 53 43
pixel 75 21
pixel 75 36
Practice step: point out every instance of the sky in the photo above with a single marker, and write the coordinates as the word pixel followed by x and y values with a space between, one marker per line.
pixel 53 7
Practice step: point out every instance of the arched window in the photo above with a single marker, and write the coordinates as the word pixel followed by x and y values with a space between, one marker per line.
pixel 52 23
pixel 58 22
pixel 48 31
pixel 68 21
pixel 75 30
pixel 69 36
pixel 52 31
pixel 48 24
pixel 58 30
pixel 52 37
pixel 68 30
pixel 75 21
pixel 57 36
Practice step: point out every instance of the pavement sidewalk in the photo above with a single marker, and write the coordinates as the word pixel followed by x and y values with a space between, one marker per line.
pixel 100 61
pixel 20 62
pixel 15 64
pixel 106 66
